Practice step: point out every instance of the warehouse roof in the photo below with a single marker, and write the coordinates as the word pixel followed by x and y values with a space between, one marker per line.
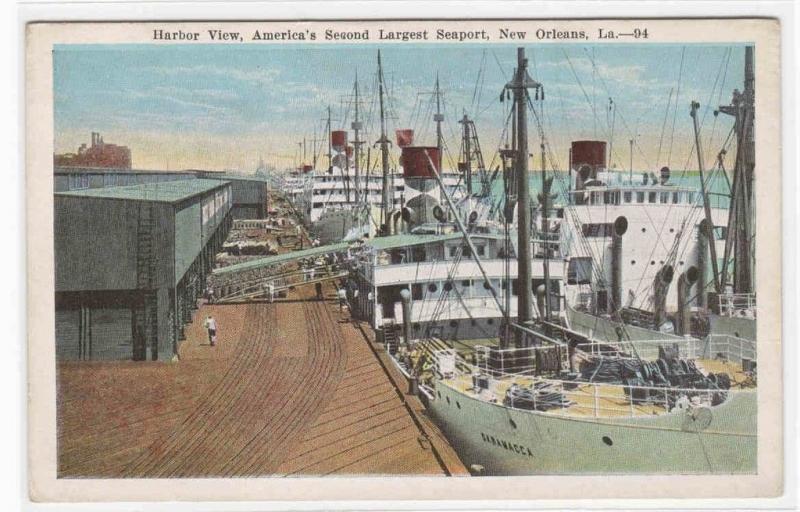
pixel 213 175
pixel 64 169
pixel 189 173
pixel 162 192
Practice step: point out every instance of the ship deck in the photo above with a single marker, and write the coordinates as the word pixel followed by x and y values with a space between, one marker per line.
pixel 597 400
pixel 290 389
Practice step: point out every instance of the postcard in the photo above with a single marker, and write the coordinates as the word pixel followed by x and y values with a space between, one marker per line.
pixel 434 259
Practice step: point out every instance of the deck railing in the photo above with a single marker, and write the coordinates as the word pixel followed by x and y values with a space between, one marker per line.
pixel 596 399
pixel 737 305
pixel 688 348
pixel 585 399
pixel 729 347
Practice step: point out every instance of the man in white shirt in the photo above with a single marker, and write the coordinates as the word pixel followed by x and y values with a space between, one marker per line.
pixel 211 325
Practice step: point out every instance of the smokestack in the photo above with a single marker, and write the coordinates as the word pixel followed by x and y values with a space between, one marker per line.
pixel 620 227
pixel 685 283
pixel 660 288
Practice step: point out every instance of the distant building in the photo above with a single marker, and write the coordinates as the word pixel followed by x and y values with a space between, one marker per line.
pixel 99 154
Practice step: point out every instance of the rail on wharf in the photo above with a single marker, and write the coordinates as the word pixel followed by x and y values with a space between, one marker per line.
pixel 289 389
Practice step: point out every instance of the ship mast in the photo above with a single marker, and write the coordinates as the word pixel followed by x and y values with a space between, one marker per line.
pixel 545 200
pixel 330 151
pixel 438 117
pixel 740 227
pixel 519 85
pixel 384 142
pixel 467 155
pixel 706 205
pixel 356 125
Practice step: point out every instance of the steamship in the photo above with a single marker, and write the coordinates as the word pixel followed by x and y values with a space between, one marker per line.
pixel 620 370
pixel 334 210
pixel 347 201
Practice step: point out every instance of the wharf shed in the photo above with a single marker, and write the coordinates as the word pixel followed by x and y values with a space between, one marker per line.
pixel 130 263
pixel 249 192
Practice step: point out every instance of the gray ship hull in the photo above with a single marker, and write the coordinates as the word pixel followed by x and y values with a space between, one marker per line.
pixel 509 441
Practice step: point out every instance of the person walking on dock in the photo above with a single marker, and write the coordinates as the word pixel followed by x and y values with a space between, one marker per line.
pixel 211 325
pixel 342 295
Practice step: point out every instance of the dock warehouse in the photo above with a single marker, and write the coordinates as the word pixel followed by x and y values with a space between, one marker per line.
pixel 130 263
pixel 249 193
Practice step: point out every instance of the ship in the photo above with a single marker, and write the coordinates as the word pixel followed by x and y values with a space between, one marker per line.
pixel 676 397
pixel 348 200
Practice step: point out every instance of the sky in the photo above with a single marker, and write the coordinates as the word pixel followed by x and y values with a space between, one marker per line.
pixel 222 107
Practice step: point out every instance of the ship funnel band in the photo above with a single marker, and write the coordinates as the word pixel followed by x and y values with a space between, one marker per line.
pixel 588 152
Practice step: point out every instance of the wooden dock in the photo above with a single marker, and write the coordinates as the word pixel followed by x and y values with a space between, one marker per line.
pixel 291 388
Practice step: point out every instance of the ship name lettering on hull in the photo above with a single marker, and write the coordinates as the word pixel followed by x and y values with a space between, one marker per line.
pixel 507 445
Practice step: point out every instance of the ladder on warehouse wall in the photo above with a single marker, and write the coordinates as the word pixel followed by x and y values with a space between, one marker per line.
pixel 146 315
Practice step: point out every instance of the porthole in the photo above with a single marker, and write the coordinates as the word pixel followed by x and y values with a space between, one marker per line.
pixel 453 323
pixel 512 423
pixel 660 262
pixel 681 262
pixel 490 321
pixel 487 285
pixel 653 262
pixel 608 441
pixel 432 287
pixel 448 286
pixel 633 262
pixel 671 230
pixel 644 229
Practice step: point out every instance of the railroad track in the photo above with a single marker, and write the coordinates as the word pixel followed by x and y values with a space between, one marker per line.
pixel 323 370
pixel 295 392
pixel 246 424
pixel 164 455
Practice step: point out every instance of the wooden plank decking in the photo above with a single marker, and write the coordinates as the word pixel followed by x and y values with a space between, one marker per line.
pixel 289 390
